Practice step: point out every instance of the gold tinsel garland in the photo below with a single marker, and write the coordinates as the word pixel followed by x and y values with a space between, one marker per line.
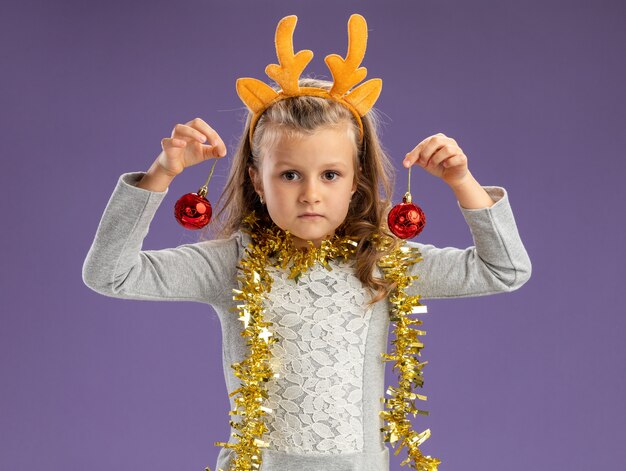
pixel 395 265
pixel 275 246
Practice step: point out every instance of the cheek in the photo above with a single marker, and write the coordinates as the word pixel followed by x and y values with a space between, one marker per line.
pixel 276 201
pixel 343 203
pixel 273 191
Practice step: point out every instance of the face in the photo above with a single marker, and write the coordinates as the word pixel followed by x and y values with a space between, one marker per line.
pixel 307 183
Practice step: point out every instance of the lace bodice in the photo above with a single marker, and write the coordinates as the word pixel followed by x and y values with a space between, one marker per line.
pixel 321 323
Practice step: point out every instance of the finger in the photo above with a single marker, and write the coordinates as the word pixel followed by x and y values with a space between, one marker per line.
pixel 184 131
pixel 448 150
pixel 167 143
pixel 214 138
pixel 418 155
pixel 447 138
pixel 431 147
pixel 412 156
pixel 210 152
pixel 455 160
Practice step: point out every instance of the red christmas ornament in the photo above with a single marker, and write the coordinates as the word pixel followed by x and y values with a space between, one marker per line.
pixel 406 220
pixel 193 210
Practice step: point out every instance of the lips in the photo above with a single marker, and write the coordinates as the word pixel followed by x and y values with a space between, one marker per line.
pixel 309 215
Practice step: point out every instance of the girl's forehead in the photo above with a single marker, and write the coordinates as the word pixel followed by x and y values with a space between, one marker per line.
pixel 325 146
pixel 327 139
pixel 321 154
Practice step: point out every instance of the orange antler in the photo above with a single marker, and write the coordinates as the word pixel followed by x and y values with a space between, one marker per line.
pixel 291 65
pixel 346 72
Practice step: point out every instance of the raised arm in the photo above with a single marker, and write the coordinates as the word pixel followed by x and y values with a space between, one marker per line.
pixel 116 266
pixel 497 263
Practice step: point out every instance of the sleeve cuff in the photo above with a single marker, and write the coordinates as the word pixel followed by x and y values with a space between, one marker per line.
pixel 497 193
pixel 130 179
pixel 483 219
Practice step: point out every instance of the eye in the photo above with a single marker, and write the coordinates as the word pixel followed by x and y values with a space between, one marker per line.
pixel 331 175
pixel 289 175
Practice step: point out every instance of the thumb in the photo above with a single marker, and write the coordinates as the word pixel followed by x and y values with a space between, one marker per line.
pixel 209 152
pixel 219 151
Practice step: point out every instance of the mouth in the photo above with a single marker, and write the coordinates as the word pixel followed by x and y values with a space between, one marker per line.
pixel 310 215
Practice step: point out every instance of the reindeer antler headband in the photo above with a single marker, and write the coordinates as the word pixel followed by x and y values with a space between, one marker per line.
pixel 346 73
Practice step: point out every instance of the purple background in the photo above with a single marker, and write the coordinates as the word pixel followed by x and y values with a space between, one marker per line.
pixel 533 92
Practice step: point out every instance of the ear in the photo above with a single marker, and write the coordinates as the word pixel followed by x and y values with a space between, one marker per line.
pixel 256 180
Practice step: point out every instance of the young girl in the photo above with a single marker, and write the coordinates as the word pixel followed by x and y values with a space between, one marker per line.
pixel 312 173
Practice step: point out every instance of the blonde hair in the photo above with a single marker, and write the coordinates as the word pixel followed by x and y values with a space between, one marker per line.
pixel 374 175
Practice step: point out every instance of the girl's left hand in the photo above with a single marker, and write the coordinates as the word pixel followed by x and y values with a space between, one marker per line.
pixel 440 156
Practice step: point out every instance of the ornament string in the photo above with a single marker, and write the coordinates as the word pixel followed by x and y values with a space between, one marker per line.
pixel 409 184
pixel 205 188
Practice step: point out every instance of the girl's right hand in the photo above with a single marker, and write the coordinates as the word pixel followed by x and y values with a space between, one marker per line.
pixel 186 146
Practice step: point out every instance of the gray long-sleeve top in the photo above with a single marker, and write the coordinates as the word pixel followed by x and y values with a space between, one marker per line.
pixel 326 401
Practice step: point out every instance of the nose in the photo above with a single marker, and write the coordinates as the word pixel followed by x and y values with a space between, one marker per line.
pixel 310 192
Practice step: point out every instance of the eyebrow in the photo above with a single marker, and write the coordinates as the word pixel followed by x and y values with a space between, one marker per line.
pixel 282 163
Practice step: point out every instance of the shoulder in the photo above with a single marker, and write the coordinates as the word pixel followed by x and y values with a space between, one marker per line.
pixel 233 246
